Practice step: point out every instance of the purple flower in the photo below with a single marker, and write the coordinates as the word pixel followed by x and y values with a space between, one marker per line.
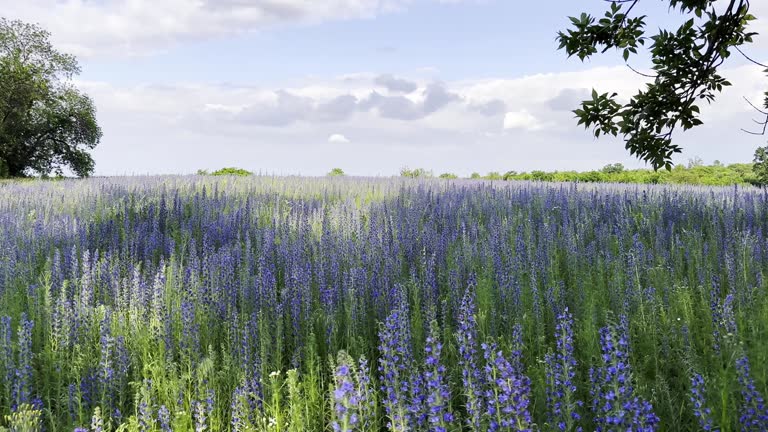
pixel 200 416
pixel 615 405
pixel 754 412
pixel 508 393
pixel 366 394
pixel 97 422
pixel 22 384
pixel 438 393
pixel 146 419
pixel 164 417
pixel 394 367
pixel 561 370
pixel 698 399
pixel 472 379
pixel 6 355
pixel 346 398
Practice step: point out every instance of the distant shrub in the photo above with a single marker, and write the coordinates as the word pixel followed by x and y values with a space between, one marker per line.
pixel 475 175
pixel 448 176
pixel 613 168
pixel 415 173
pixel 591 177
pixel 712 175
pixel 541 176
pixel 202 172
pixel 336 172
pixel 509 175
pixel 232 172
pixel 493 175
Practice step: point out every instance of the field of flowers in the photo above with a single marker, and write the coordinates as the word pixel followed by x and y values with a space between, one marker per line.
pixel 289 304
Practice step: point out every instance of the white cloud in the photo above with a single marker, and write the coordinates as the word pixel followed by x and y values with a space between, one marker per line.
pixel 338 139
pixel 521 120
pixel 137 27
pixel 479 125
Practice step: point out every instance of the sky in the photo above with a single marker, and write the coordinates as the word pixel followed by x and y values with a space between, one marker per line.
pixel 370 86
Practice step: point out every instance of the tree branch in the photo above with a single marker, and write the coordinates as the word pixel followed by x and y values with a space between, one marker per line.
pixel 756 108
pixel 640 73
pixel 763 123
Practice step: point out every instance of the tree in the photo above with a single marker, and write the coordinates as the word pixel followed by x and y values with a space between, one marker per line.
pixel 415 173
pixel 509 175
pixel 538 175
pixel 336 172
pixel 46 125
pixel 760 166
pixel 613 168
pixel 685 71
pixel 695 162
pixel 493 175
pixel 449 176
pixel 232 171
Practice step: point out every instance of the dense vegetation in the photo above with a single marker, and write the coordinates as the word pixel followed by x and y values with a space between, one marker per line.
pixel 694 174
pixel 285 304
pixel 713 175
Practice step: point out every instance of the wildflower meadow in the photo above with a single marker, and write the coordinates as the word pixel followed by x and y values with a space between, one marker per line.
pixel 198 303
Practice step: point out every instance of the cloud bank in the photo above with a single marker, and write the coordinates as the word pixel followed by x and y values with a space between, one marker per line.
pixel 461 126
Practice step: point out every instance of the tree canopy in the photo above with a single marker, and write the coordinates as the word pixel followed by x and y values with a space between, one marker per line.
pixel 46 124
pixel 760 166
pixel 685 66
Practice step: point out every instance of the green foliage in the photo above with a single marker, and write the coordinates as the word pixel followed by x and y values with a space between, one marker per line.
pixel 25 419
pixel 475 175
pixel 493 175
pixel 613 168
pixel 450 176
pixel 46 125
pixel 336 172
pixel 231 171
pixel 203 172
pixel 760 166
pixel 713 175
pixel 541 176
pixel 508 175
pixel 685 64
pixel 415 173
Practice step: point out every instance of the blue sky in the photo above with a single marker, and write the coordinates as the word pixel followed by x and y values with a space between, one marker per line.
pixel 301 86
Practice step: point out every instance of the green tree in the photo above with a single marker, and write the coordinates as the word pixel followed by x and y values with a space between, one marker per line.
pixel 613 168
pixel 232 172
pixel 46 125
pixel 415 173
pixel 760 166
pixel 449 176
pixel 538 175
pixel 493 175
pixel 336 172
pixel 475 175
pixel 509 175
pixel 685 71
